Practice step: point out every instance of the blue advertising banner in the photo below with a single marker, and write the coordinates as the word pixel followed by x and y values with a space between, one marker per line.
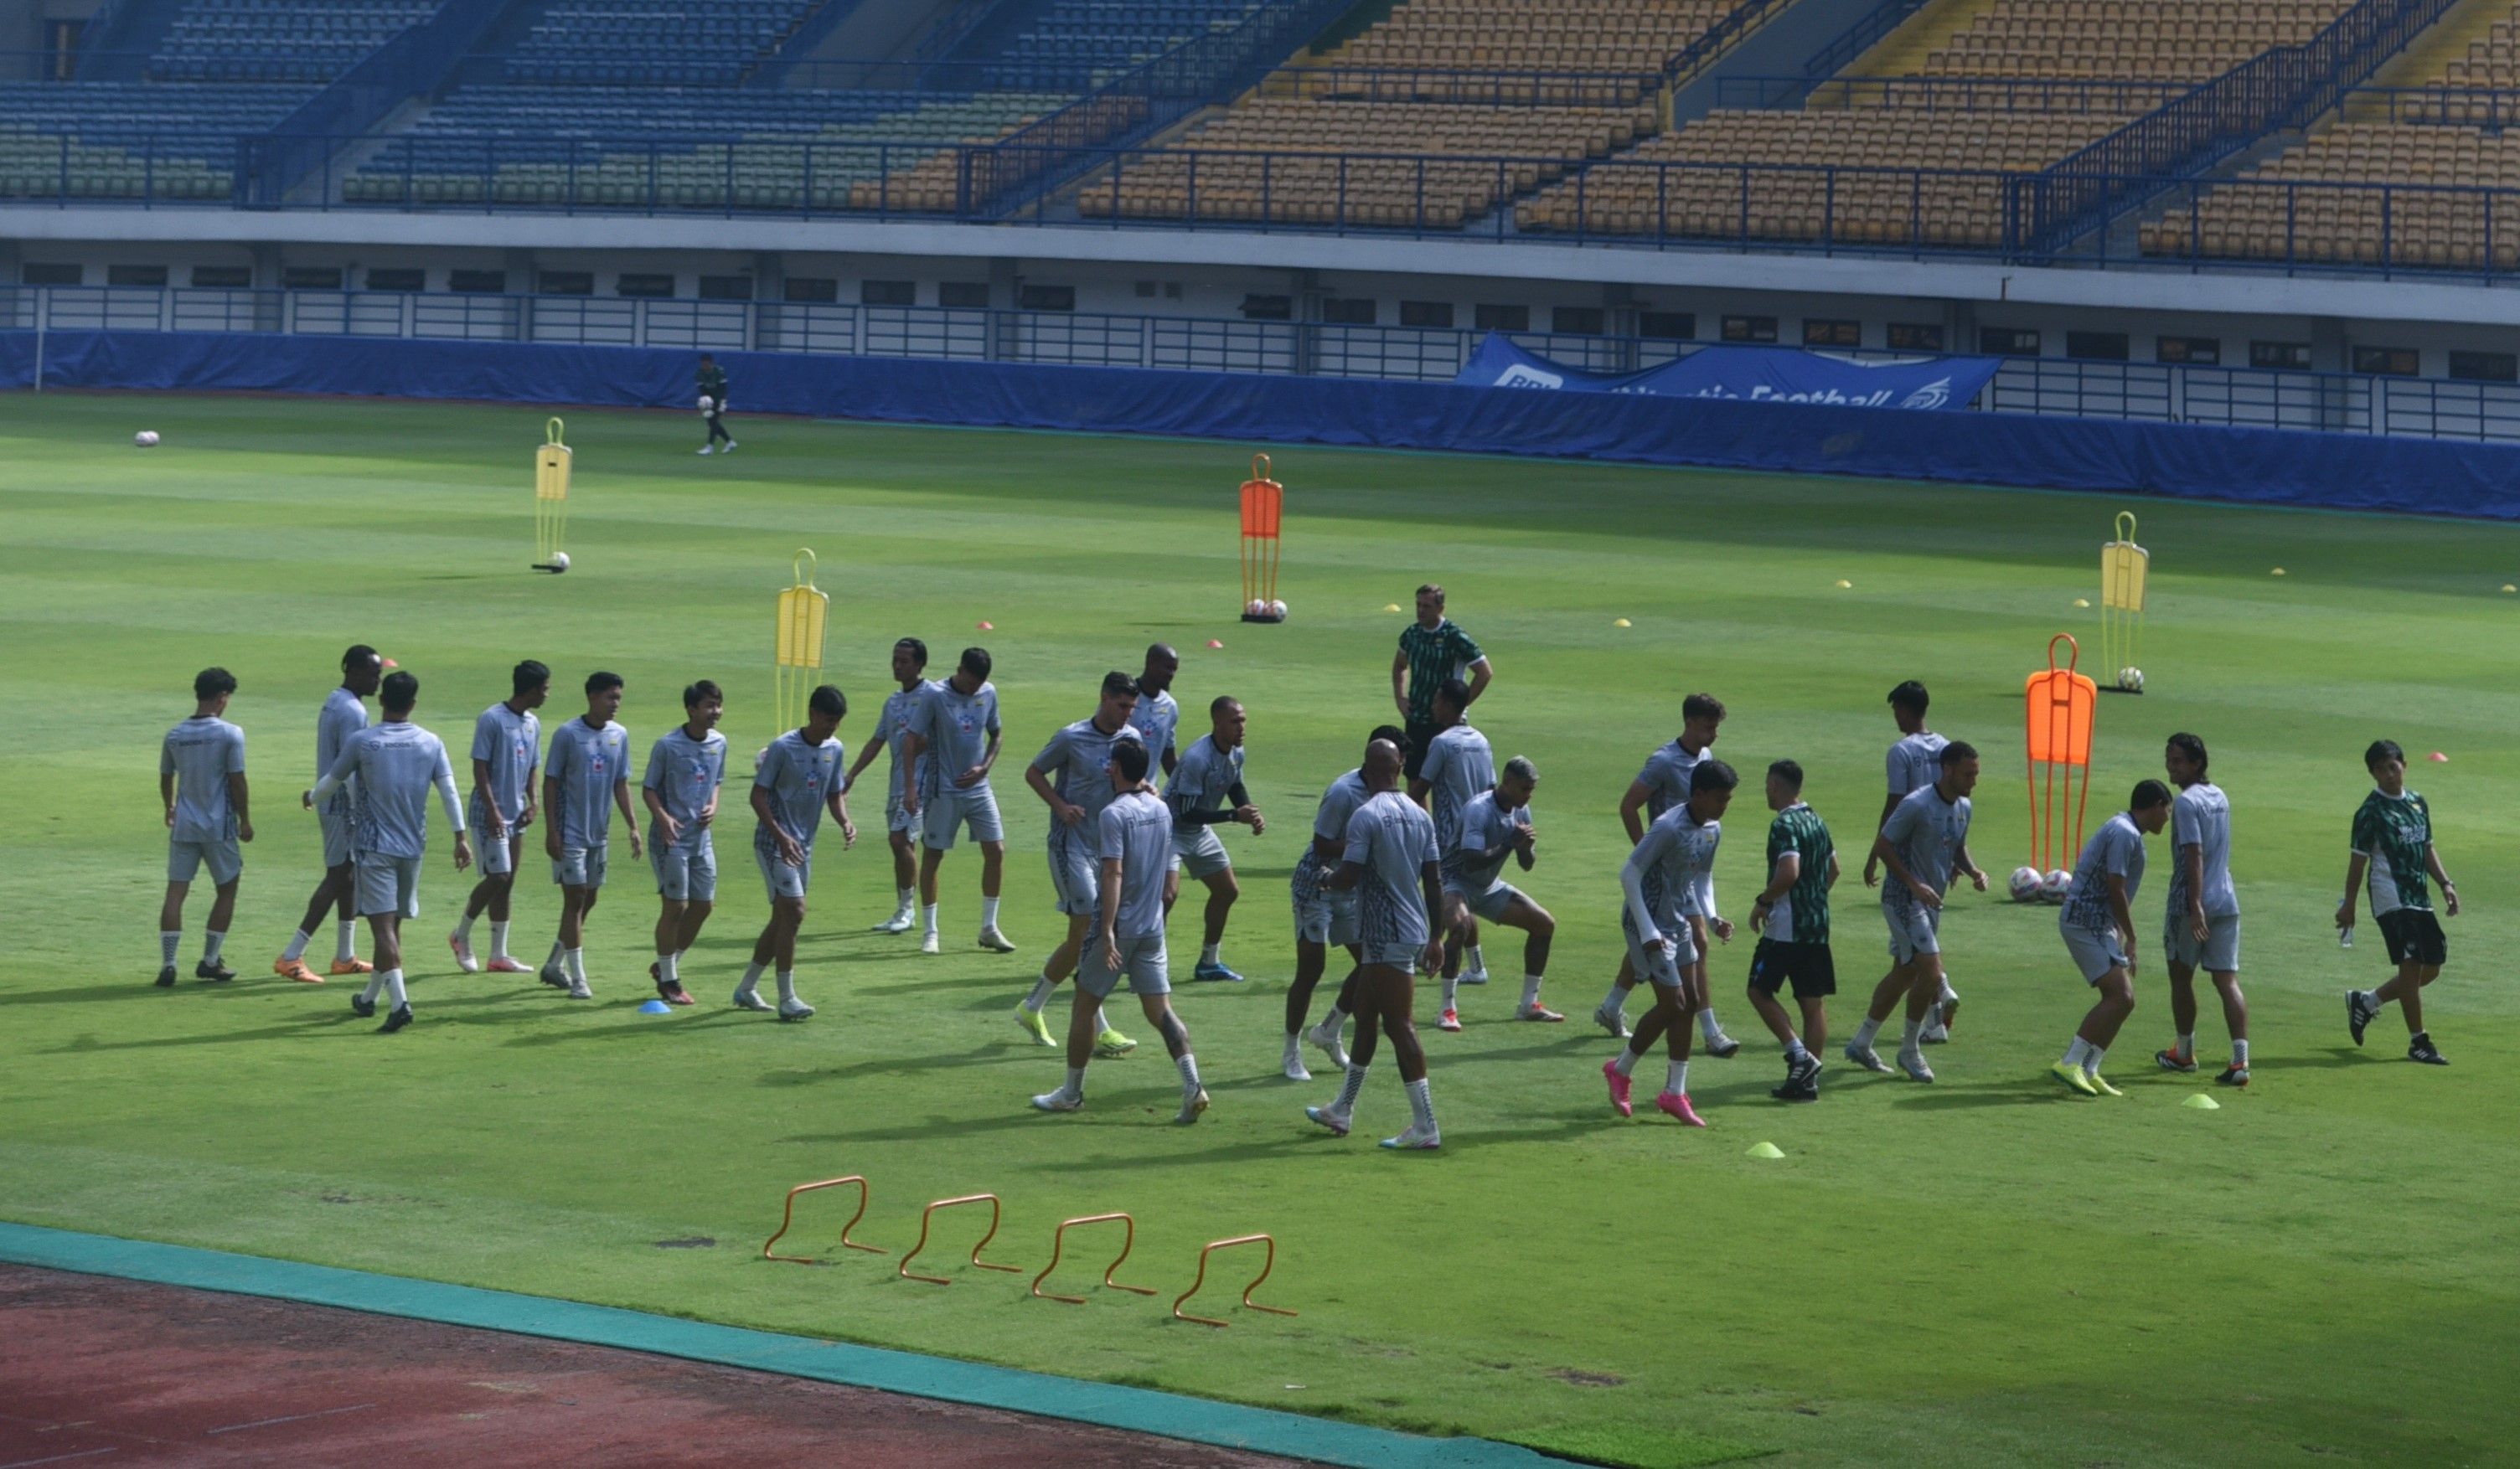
pixel 1750 374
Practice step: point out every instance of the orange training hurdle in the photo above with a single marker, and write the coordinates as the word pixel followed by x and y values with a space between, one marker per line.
pixel 788 1217
pixel 1268 1264
pixel 929 1213
pixel 1058 1240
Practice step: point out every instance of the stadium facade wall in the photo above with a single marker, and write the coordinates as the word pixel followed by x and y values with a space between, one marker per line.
pixel 2176 460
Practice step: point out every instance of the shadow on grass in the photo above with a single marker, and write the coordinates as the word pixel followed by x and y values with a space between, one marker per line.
pixel 1964 1095
pixel 983 1056
pixel 2328 1059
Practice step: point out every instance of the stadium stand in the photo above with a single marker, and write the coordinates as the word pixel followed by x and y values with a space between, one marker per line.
pixel 131 140
pixel 655 42
pixel 1075 45
pixel 2152 40
pixel 278 40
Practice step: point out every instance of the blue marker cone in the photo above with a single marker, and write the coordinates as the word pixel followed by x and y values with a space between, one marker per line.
pixel 655 1007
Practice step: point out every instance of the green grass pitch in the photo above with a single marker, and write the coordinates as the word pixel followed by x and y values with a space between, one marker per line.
pixel 1975 1272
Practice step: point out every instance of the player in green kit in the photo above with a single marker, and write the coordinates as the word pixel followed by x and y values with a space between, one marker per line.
pixel 712 385
pixel 2393 848
pixel 1791 917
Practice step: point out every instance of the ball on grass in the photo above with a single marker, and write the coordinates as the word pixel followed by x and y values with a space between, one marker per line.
pixel 2024 885
pixel 146 438
pixel 2130 680
pixel 2054 887
pixel 559 560
pixel 1255 607
pixel 1278 609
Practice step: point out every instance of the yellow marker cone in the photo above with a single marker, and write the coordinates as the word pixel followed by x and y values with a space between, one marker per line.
pixel 1844 585
pixel 2278 571
pixel 2198 1101
pixel 1391 606
pixel 1765 1150
pixel 2508 587
pixel 1623 622
pixel 2082 602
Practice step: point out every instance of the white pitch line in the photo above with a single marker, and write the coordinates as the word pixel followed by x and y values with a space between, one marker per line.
pixel 84 1453
pixel 291 1418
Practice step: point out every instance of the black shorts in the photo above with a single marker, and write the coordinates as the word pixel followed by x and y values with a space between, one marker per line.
pixel 1412 754
pixel 1811 967
pixel 2415 936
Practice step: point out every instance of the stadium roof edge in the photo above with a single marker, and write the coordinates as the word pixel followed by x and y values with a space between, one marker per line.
pixel 2416 301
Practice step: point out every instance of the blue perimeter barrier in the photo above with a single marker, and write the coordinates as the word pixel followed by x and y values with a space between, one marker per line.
pixel 2253 466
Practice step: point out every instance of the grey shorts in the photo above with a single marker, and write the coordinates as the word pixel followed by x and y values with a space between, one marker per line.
pixel 1662 962
pixel 498 858
pixel 781 879
pixel 1913 931
pixel 687 870
pixel 950 810
pixel 895 818
pixel 1491 905
pixel 186 859
pixel 582 866
pixel 2095 954
pixel 2220 954
pixel 387 885
pixel 1075 875
pixel 1142 964
pixel 1200 853
pixel 1393 955
pixel 333 817
pixel 1322 916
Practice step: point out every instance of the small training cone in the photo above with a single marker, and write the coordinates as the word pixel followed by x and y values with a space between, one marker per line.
pixel 2278 571
pixel 655 1007
pixel 1765 1150
pixel 2082 602
pixel 1213 643
pixel 2437 756
pixel 390 663
pixel 988 627
pixel 2198 1101
pixel 1844 585
pixel 1622 622
pixel 1391 606
pixel 2508 587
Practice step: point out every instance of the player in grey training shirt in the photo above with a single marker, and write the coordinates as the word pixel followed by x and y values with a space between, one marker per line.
pixel 1325 917
pixel 586 777
pixel 685 769
pixel 1390 864
pixel 397 764
pixel 1158 717
pixel 798 780
pixel 1925 841
pixel 891 736
pixel 1661 784
pixel 201 780
pixel 1914 761
pixel 507 748
pixel 1072 777
pixel 1206 791
pixel 1667 879
pixel 1458 765
pixel 1133 847
pixel 2201 927
pixel 1496 825
pixel 2097 925
pixel 341 717
pixel 953 745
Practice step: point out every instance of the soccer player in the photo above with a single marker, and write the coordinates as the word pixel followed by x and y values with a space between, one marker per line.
pixel 396 764
pixel 344 715
pixel 507 747
pixel 1495 825
pixel 1134 847
pixel 2097 924
pixel 685 768
pixel 1157 715
pixel 2392 846
pixel 798 778
pixel 952 744
pixel 1205 792
pixel 1326 915
pixel 201 781
pixel 1459 765
pixel 1081 755
pixel 1675 860
pixel 586 777
pixel 2201 928
pixel 1791 919
pixel 1432 649
pixel 891 736
pixel 712 382
pixel 1661 784
pixel 1925 839
pixel 1914 761
pixel 1390 864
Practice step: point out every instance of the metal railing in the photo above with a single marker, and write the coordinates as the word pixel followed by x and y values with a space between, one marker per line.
pixel 2434 106
pixel 1720 38
pixel 1496 86
pixel 2157 392
pixel 1848 44
pixel 1958 93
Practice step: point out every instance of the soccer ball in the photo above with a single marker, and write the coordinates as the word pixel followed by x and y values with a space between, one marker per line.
pixel 1255 607
pixel 559 560
pixel 2024 885
pixel 2130 680
pixel 1278 609
pixel 707 402
pixel 146 438
pixel 2055 885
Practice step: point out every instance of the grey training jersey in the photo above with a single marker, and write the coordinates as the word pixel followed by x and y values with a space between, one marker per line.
pixel 801 779
pixel 685 772
pixel 1137 829
pixel 509 743
pixel 395 764
pixel 893 724
pixel 1075 759
pixel 957 727
pixel 1486 827
pixel 1204 780
pixel 2116 848
pixel 1155 719
pixel 342 718
pixel 1338 805
pixel 1914 761
pixel 201 753
pixel 586 762
pixel 1674 865
pixel 2201 816
pixel 1927 832
pixel 1458 766
pixel 1393 839
pixel 1665 778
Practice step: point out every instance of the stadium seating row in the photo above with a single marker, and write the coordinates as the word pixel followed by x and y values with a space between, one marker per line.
pixel 278 40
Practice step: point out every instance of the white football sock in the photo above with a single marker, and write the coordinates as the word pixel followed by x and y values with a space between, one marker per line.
pixel 1452 987
pixel 1102 1022
pixel 1908 1035
pixel 1187 1065
pixel 210 944
pixel 787 986
pixel 665 974
pixel 1351 1087
pixel 2075 1053
pixel 1208 952
pixel 1530 991
pixel 168 941
pixel 560 952
pixel 906 899
pixel 297 949
pixel 375 987
pixel 1332 1022
pixel 1794 1048
pixel 2092 1059
pixel 1076 1087
pixel 1865 1033
pixel 498 940
pixel 988 912
pixel 2186 1048
pixel 575 960
pixel 346 940
pixel 464 928
pixel 1616 1000
pixel 393 987
pixel 1625 1062
pixel 2241 1054
pixel 1474 962
pixel 1708 1027
pixel 752 977
pixel 927 916
pixel 1040 995
pixel 1422 1103
pixel 1294 1051
pixel 1675 1076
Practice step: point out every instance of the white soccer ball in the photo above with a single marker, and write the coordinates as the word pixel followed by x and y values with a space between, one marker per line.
pixel 1278 609
pixel 1255 607
pixel 2130 680
pixel 559 560
pixel 2054 887
pixel 2024 885
pixel 146 438
pixel 707 402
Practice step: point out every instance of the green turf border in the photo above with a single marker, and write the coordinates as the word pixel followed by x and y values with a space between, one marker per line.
pixel 1136 1410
